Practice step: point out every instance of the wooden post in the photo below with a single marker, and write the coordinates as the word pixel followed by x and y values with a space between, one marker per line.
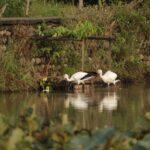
pixel 83 48
pixel 99 3
pixel 81 4
pixel 110 45
pixel 27 7
pixel 109 51
pixel 44 2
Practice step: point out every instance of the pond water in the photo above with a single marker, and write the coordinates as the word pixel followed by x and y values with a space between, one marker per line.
pixel 97 107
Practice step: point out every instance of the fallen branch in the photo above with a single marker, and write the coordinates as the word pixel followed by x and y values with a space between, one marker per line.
pixel 29 21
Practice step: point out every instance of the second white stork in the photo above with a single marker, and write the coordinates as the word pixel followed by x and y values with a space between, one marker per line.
pixel 109 77
pixel 80 77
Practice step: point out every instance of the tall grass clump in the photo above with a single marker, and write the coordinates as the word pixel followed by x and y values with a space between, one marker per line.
pixel 15 8
pixel 131 33
pixel 14 76
pixel 39 8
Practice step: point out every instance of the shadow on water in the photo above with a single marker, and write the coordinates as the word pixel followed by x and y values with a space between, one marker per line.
pixel 99 107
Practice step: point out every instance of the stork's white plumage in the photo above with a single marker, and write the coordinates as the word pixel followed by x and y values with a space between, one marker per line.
pixel 109 77
pixel 80 77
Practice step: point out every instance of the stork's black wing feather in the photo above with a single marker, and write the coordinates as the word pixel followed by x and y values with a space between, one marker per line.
pixel 90 74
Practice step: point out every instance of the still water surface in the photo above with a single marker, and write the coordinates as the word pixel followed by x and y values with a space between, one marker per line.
pixel 98 107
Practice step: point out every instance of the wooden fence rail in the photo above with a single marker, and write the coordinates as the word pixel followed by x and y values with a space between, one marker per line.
pixel 29 21
pixel 109 40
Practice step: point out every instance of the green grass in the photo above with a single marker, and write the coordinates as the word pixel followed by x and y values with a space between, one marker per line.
pixel 38 9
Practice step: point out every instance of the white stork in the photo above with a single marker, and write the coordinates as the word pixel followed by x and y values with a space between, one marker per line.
pixel 109 77
pixel 80 77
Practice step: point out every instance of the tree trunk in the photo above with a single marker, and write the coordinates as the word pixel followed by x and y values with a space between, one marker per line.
pixel 81 4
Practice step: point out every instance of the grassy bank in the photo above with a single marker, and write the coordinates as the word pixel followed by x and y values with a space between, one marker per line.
pixel 24 59
pixel 50 9
pixel 128 23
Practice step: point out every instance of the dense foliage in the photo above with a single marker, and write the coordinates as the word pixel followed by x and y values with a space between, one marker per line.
pixel 17 8
pixel 79 31
pixel 129 25
pixel 14 7
pixel 129 55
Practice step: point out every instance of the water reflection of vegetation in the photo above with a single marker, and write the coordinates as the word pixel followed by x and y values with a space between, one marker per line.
pixel 40 121
pixel 30 132
pixel 121 113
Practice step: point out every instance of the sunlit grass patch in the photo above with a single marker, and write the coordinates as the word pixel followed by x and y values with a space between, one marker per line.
pixel 50 9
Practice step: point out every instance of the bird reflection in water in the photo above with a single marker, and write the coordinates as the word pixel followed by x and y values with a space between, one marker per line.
pixel 78 101
pixel 109 102
pixel 89 104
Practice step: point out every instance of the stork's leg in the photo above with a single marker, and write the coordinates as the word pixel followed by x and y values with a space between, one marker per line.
pixel 82 81
pixel 78 82
pixel 108 85
pixel 114 86
pixel 70 85
pixel 83 85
